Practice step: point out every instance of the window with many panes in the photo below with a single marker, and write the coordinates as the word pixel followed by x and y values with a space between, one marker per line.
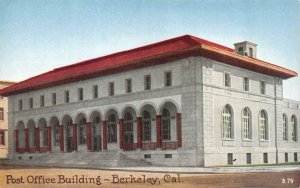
pixel 80 94
pixel 227 79
pixel 128 85
pixel 147 82
pixel 95 91
pixel 111 88
pixel 30 102
pixel 262 87
pixel 246 84
pixel 166 124
pixel 42 101
pixel 67 96
pixel 168 78
pixel 20 104
pixel 285 128
pixel 246 124
pixel 128 128
pixel 1 114
pixel 227 122
pixel 263 125
pixel 53 98
pixel 146 129
pixel 230 158
pixel 294 128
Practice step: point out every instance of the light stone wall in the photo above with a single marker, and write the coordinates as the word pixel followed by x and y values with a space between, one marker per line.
pixel 216 96
pixel 198 93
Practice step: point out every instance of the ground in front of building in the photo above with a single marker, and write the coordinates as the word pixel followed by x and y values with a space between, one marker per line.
pixel 20 176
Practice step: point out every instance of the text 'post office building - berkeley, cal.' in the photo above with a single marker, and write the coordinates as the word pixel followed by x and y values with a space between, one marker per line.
pixel 179 102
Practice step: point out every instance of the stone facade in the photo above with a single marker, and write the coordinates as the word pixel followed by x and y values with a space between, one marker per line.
pixel 193 114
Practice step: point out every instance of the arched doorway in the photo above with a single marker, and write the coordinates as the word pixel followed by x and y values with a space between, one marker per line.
pixel 31 135
pixel 96 131
pixel 81 132
pixel 67 122
pixel 55 136
pixel 128 129
pixel 21 137
pixel 111 130
pixel 42 124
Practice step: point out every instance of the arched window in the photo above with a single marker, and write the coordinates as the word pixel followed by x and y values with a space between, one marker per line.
pixel 227 122
pixel 146 129
pixel 294 128
pixel 128 128
pixel 82 131
pixel 285 128
pixel 246 124
pixel 166 125
pixel 112 128
pixel 263 125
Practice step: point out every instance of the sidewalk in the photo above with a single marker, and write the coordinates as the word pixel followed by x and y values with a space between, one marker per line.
pixel 275 168
pixel 192 170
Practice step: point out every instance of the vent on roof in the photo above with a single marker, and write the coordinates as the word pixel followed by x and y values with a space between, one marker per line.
pixel 246 49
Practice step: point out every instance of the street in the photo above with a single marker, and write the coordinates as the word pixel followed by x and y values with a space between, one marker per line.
pixel 20 176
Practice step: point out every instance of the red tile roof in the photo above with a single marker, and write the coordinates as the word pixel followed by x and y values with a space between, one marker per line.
pixel 149 55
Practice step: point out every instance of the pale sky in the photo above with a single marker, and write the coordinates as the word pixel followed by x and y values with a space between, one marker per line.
pixel 38 36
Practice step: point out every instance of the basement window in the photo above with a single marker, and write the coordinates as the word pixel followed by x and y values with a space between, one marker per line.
pixel 147 156
pixel 168 156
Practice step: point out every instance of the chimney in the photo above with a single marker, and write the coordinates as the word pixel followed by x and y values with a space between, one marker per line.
pixel 246 49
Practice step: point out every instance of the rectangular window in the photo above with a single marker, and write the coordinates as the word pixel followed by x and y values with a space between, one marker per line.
pixel 265 157
pixel 227 79
pixel 248 158
pixel 168 78
pixel 147 82
pixel 128 85
pixel 286 157
pixel 230 158
pixel 95 91
pixel 168 156
pixel 240 50
pixel 30 102
pixel 111 89
pixel 53 98
pixel 42 101
pixel 246 84
pixel 20 105
pixel 262 87
pixel 67 96
pixel 147 156
pixel 295 157
pixel 80 94
pixel 251 52
pixel 2 137
pixel 1 114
